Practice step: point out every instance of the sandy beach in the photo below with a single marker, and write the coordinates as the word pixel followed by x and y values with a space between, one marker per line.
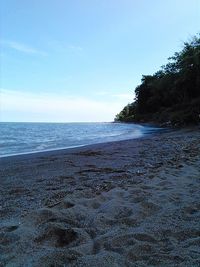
pixel 127 203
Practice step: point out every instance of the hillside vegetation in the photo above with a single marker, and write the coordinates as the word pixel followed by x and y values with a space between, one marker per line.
pixel 172 94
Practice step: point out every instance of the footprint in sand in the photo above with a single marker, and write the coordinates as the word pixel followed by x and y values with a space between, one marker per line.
pixel 8 238
pixel 144 237
pixel 140 252
pixel 149 208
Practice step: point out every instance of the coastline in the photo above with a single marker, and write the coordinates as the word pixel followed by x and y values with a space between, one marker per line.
pixel 122 203
pixel 155 129
pixel 28 142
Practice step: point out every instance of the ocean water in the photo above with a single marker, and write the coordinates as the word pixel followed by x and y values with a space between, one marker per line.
pixel 22 138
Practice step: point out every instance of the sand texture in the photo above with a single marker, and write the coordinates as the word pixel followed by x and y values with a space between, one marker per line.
pixel 128 203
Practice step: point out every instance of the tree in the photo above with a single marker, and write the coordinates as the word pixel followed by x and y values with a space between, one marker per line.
pixel 171 92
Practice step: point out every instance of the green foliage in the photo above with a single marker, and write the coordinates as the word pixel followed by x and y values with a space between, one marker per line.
pixel 127 114
pixel 172 93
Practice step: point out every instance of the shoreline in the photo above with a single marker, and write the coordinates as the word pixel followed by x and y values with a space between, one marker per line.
pixel 124 203
pixel 66 149
pixel 150 129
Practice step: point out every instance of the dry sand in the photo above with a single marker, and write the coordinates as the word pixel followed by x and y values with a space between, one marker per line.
pixel 127 203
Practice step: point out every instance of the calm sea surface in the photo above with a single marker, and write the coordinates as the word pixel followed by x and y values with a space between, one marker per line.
pixel 21 138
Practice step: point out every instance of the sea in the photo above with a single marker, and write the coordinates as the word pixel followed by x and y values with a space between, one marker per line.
pixel 22 138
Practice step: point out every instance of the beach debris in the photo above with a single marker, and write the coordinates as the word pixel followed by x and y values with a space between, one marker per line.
pixel 139 172
pixel 150 165
pixel 89 153
pixel 54 204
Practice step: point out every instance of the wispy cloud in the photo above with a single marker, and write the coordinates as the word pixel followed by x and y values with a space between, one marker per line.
pixel 22 47
pixel 24 106
pixel 101 93
pixel 127 97
pixel 119 96
pixel 64 46
pixel 75 47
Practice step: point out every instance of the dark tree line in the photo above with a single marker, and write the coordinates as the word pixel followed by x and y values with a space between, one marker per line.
pixel 172 94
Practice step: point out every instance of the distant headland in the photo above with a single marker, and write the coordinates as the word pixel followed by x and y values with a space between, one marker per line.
pixel 171 96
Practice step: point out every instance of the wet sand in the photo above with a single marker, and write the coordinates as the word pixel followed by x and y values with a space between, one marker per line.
pixel 127 203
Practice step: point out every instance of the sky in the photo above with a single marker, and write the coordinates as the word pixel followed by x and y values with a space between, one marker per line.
pixel 80 60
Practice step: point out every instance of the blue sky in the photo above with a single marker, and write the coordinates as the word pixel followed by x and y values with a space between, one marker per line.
pixel 80 60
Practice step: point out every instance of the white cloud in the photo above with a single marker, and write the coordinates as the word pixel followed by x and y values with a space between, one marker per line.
pixel 21 106
pixel 22 47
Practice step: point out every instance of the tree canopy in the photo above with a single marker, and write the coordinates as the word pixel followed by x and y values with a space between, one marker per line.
pixel 172 94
